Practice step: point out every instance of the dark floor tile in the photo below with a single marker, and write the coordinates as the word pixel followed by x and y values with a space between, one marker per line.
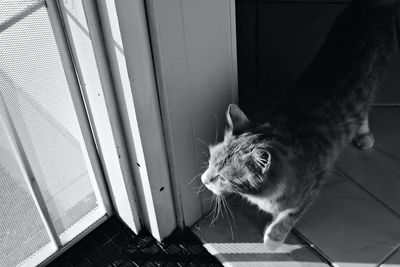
pixel 109 248
pixel 85 263
pixel 144 240
pixel 118 258
pixel 128 264
pixel 75 257
pixel 154 263
pixel 99 238
pixel 112 227
pixel 122 239
pixel 86 247
pixel 151 249
pixel 140 259
pixel 105 264
pixel 193 264
pixel 60 262
pixel 173 249
pixel 97 257
pixel 114 244
pixel 172 264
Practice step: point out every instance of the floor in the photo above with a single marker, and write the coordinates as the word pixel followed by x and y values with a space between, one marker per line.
pixel 355 221
pixel 113 244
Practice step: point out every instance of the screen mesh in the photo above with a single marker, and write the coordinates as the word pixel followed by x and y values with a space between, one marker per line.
pixel 36 94
pixel 22 232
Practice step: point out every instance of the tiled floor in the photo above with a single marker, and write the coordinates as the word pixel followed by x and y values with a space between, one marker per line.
pixel 359 203
pixel 113 244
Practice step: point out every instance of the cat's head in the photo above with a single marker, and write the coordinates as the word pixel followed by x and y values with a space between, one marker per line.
pixel 242 162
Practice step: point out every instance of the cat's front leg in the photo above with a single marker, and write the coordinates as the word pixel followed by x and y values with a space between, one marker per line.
pixel 364 138
pixel 277 231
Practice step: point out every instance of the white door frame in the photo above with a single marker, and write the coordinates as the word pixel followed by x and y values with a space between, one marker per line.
pixel 128 46
pixel 194 51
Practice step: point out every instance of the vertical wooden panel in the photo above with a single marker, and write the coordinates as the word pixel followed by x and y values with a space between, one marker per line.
pixel 195 62
pixel 143 97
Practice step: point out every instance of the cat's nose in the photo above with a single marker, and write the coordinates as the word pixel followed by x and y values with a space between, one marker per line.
pixel 204 178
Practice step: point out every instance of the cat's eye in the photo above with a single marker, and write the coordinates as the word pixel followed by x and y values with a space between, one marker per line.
pixel 213 179
pixel 217 177
pixel 221 178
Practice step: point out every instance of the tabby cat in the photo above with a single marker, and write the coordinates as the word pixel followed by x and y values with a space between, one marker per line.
pixel 279 165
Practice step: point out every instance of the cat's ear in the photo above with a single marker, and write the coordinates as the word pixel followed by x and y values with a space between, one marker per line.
pixel 237 120
pixel 262 158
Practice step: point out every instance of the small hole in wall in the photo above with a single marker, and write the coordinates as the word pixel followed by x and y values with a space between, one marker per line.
pixel 161 189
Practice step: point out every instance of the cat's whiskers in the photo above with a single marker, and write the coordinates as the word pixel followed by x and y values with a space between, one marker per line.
pixel 210 198
pixel 205 153
pixel 219 197
pixel 213 210
pixel 228 210
pixel 200 189
pixel 216 209
pixel 201 141
pixel 191 181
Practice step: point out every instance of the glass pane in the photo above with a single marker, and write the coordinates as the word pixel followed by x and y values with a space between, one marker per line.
pixel 22 233
pixel 35 89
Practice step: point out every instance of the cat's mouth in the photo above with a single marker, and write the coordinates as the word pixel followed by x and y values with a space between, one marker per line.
pixel 218 189
pixel 214 189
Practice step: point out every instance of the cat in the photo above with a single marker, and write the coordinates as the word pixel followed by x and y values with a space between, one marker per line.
pixel 279 165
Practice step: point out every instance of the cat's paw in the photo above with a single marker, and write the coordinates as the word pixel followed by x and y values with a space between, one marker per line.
pixel 272 244
pixel 364 141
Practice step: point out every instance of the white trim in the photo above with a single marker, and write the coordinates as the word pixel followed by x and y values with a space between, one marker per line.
pixel 102 112
pixel 82 224
pixel 89 149
pixel 138 96
pixel 128 213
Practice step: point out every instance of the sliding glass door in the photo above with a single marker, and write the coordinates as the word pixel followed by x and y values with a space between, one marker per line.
pixel 51 186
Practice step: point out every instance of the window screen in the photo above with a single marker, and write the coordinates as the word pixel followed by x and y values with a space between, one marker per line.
pixel 35 92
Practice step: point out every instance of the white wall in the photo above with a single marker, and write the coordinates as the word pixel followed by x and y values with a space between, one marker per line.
pixel 194 50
